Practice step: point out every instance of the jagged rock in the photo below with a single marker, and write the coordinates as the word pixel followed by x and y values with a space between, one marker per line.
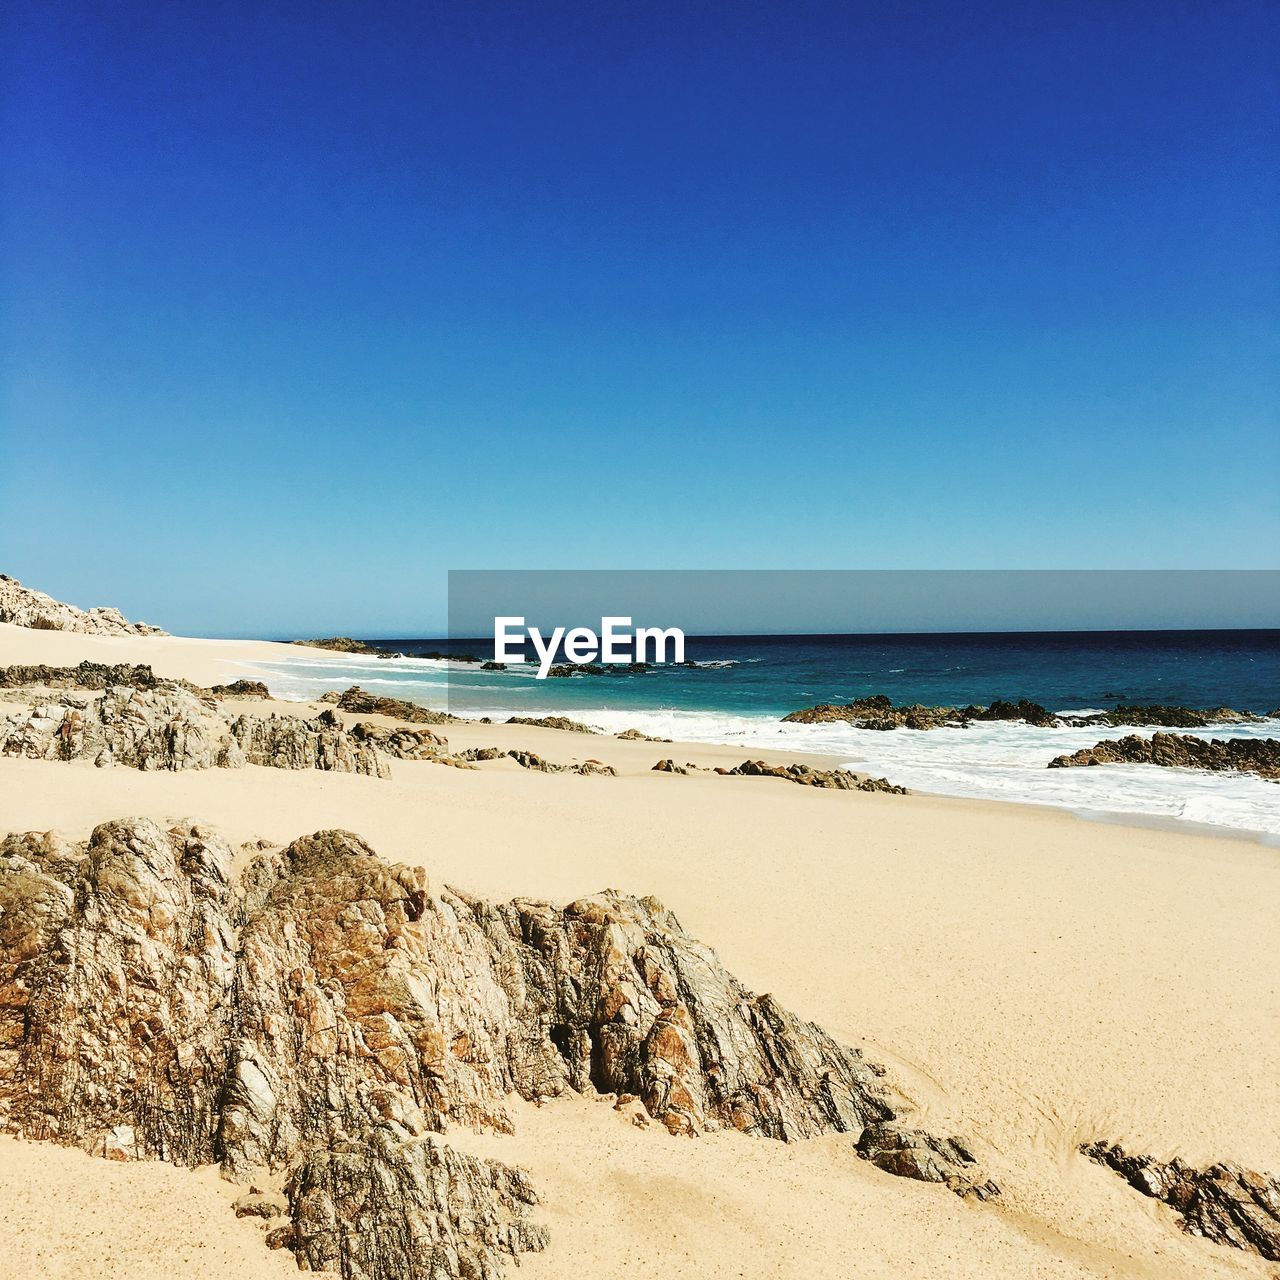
pixel 634 735
pixel 878 712
pixel 1173 717
pixel 322 1019
pixel 171 728
pixel 163 728
pixel 493 666
pixel 912 1153
pixel 668 766
pixel 1224 1203
pixel 404 744
pixel 24 607
pixel 259 1205
pixel 531 760
pixel 553 722
pixel 1182 751
pixel 565 670
pixel 241 689
pixel 361 703
pixel 88 675
pixel 807 776
pixel 291 742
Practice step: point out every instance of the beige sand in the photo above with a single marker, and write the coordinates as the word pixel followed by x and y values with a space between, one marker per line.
pixel 1030 979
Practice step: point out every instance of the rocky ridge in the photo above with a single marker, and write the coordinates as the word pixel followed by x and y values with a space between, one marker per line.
pixel 1181 751
pixel 324 1017
pixel 807 776
pixel 24 607
pixel 358 702
pixel 1224 1202
pixel 878 712
pixel 170 728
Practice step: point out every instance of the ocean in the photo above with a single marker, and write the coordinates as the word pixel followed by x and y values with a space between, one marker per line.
pixel 741 686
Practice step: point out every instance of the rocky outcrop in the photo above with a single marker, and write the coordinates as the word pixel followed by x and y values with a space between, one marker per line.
pixel 343 644
pixel 24 607
pixel 403 744
pixel 163 728
pixel 1224 1202
pixel 553 722
pixel 913 1153
pixel 1169 717
pixel 1182 751
pixel 170 727
pixel 241 689
pixel 359 702
pixel 878 712
pixel 322 1019
pixel 634 735
pixel 94 676
pixel 291 742
pixel 807 776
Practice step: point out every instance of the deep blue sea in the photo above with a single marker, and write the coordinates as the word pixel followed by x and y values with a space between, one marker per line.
pixel 743 685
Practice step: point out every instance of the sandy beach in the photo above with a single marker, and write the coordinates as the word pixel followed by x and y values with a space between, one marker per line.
pixel 1029 979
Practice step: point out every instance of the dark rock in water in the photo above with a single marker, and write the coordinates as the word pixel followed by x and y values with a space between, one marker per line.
pixel 436 655
pixel 879 713
pixel 912 1153
pixel 1224 1203
pixel 361 703
pixel 564 670
pixel 322 1017
pixel 553 722
pixel 1181 751
pixel 493 666
pixel 1030 712
pixel 241 689
pixel 1172 717
pixel 807 776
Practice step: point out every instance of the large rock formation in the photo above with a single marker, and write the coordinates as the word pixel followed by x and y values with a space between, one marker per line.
pixel 323 1018
pixel 24 607
pixel 1182 751
pixel 1224 1203
pixel 171 727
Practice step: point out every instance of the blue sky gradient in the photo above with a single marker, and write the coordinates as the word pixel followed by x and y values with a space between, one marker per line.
pixel 301 306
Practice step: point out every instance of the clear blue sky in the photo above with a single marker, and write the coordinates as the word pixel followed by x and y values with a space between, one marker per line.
pixel 304 304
